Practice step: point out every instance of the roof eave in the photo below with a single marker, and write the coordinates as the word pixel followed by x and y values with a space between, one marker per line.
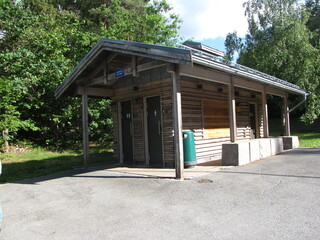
pixel 166 54
pixel 241 73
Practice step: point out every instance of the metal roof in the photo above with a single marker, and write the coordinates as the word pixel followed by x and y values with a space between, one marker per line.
pixel 186 55
pixel 202 47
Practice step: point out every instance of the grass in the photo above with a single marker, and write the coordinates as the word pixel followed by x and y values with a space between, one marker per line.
pixel 40 162
pixel 309 136
pixel 308 139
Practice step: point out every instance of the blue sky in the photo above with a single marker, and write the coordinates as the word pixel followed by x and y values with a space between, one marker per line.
pixel 209 21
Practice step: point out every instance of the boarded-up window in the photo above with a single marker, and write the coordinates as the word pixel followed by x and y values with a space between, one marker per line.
pixel 215 119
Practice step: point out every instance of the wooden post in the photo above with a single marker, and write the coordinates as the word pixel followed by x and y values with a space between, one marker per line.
pixel 177 123
pixel 232 112
pixel 135 72
pixel 145 124
pixel 265 113
pixel 120 133
pixel 286 116
pixel 85 127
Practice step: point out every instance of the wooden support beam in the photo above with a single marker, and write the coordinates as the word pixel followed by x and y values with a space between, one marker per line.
pixel 177 124
pixel 97 70
pixel 203 73
pixel 275 91
pixel 265 113
pixel 105 74
pixel 232 112
pixel 96 92
pixel 112 79
pixel 103 66
pixel 85 128
pixel 286 116
pixel 135 72
pixel 120 133
pixel 247 84
pixel 110 57
pixel 216 76
pixel 145 126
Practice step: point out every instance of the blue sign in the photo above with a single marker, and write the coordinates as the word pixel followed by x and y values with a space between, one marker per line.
pixel 119 72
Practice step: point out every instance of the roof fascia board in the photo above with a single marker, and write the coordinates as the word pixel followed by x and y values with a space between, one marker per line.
pixel 205 74
pixel 96 50
pixel 98 92
pixel 178 58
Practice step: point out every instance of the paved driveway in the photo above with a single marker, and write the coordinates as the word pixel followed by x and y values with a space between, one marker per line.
pixel 276 198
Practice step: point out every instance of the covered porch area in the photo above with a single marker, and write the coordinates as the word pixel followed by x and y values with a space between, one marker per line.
pixel 159 92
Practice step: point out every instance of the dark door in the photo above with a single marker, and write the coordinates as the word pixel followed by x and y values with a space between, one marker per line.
pixel 253 121
pixel 154 131
pixel 126 123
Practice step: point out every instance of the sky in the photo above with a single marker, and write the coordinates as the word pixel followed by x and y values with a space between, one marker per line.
pixel 209 21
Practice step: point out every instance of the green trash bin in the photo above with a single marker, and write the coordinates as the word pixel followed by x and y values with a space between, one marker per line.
pixel 189 149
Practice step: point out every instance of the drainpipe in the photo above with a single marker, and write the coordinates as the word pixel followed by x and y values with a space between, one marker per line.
pixel 305 98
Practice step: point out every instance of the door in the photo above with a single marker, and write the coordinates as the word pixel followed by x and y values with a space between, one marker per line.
pixel 253 119
pixel 154 131
pixel 126 124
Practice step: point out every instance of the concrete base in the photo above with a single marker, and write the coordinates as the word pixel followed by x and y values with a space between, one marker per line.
pixel 291 142
pixel 234 154
pixel 244 152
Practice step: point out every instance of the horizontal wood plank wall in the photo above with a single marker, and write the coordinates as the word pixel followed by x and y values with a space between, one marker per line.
pixel 193 93
pixel 154 88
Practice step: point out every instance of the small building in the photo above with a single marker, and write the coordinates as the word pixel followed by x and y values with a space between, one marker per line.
pixel 160 91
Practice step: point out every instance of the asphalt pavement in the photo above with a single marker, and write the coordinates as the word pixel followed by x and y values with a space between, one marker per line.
pixel 275 198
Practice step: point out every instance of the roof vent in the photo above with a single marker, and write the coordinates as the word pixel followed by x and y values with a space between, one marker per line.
pixel 205 48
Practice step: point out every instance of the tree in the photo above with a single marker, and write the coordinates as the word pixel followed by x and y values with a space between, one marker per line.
pixel 42 41
pixel 279 43
pixel 313 24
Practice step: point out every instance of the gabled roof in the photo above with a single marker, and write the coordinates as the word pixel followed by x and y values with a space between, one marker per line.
pixel 106 46
pixel 186 55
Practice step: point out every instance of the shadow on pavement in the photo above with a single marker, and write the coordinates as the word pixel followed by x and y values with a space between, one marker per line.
pixel 77 173
pixel 271 174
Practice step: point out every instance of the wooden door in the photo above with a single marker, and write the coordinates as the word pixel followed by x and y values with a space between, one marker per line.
pixel 154 131
pixel 126 124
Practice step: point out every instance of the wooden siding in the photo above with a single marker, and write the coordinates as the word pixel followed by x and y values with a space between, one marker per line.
pixel 155 88
pixel 196 96
pixel 194 92
pixel 215 118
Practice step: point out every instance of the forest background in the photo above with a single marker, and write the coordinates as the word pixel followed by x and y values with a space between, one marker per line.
pixel 41 41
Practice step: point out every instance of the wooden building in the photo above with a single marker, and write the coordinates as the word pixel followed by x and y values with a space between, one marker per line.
pixel 159 91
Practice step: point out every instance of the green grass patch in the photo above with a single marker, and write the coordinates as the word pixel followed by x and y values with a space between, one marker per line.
pixel 309 135
pixel 308 139
pixel 40 162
